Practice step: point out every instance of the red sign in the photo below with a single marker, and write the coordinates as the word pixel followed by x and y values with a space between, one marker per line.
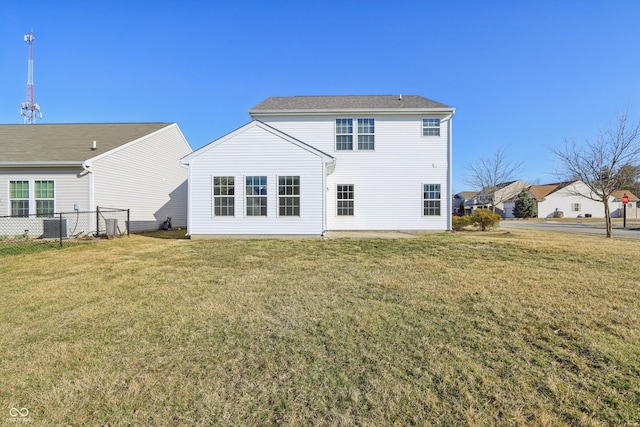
pixel 625 199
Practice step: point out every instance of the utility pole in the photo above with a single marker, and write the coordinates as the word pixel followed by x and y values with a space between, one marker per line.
pixel 29 109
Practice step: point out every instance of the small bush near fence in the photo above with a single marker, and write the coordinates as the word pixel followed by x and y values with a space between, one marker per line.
pixel 35 233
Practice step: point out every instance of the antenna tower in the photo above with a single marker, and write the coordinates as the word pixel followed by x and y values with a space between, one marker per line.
pixel 30 110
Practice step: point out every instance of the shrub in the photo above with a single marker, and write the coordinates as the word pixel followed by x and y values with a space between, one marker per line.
pixel 525 206
pixel 484 219
pixel 458 223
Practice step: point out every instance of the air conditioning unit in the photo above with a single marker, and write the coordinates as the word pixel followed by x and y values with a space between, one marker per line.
pixel 51 228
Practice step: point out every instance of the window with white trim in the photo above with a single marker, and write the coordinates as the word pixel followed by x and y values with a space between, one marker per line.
pixel 256 194
pixel 289 195
pixel 344 199
pixel 366 134
pixel 575 207
pixel 223 196
pixel 344 134
pixel 431 199
pixel 431 127
pixel 19 198
pixel 44 197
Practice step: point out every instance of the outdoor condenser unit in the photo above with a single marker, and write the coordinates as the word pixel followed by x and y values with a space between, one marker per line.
pixel 51 229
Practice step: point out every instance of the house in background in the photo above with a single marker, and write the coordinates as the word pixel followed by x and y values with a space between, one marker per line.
pixel 504 195
pixel 463 201
pixel 617 207
pixel 305 165
pixel 562 200
pixel 50 168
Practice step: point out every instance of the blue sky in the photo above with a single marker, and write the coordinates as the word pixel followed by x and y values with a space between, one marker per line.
pixel 523 75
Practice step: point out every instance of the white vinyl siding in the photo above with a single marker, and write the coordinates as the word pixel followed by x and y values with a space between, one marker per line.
pixel 387 181
pixel 146 177
pixel 256 151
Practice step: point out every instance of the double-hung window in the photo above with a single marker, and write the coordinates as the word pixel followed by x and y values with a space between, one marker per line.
pixel 289 195
pixel 344 134
pixel 366 134
pixel 223 196
pixel 345 198
pixel 19 198
pixel 44 195
pixel 575 207
pixel 256 193
pixel 431 199
pixel 431 127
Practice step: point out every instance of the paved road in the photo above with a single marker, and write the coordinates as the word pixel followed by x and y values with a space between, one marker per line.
pixel 632 230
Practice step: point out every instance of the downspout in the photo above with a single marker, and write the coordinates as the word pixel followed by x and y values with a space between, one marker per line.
pixel 189 210
pixel 329 168
pixel 92 201
pixel 449 168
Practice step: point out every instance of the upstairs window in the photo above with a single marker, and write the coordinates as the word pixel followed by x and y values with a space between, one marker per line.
pixel 366 134
pixel 19 198
pixel 431 199
pixel 256 192
pixel 289 195
pixel 430 127
pixel 223 196
pixel 44 196
pixel 344 134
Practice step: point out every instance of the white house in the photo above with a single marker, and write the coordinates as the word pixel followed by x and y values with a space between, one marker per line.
pixel 51 168
pixel 305 165
pixel 565 199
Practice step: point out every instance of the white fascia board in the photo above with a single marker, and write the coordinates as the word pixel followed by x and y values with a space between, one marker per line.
pixel 90 160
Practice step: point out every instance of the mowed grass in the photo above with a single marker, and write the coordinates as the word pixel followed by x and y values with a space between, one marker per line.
pixel 496 328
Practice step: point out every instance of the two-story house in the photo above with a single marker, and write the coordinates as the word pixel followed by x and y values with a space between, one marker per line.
pixel 305 165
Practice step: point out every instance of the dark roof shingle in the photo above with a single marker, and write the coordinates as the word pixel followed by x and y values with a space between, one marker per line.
pixel 354 102
pixel 43 143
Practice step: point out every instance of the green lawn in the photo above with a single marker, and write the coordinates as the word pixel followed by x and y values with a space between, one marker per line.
pixel 496 328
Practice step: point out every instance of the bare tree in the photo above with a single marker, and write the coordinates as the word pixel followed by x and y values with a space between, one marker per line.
pixel 489 174
pixel 601 162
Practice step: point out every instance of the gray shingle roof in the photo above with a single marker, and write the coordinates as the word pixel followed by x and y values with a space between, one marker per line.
pixel 336 103
pixel 43 143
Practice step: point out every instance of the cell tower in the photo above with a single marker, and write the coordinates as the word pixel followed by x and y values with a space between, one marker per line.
pixel 30 110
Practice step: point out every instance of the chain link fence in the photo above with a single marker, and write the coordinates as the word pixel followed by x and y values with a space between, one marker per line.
pixel 34 233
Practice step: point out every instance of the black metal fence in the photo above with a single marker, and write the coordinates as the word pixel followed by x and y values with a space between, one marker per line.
pixel 32 233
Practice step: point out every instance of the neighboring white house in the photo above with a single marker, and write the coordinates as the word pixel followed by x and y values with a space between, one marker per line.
pixel 51 168
pixel 305 165
pixel 564 199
